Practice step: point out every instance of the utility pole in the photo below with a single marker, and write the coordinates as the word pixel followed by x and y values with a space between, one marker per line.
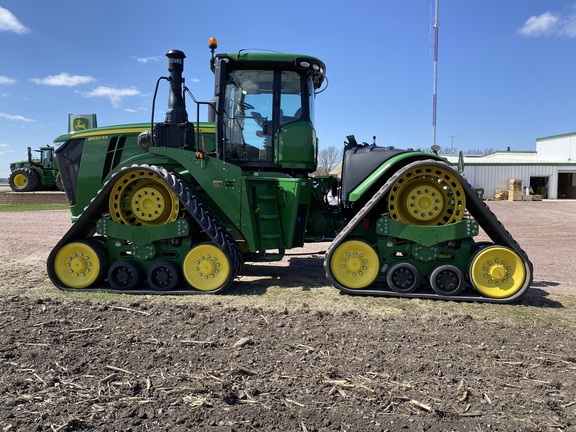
pixel 451 138
pixel 435 84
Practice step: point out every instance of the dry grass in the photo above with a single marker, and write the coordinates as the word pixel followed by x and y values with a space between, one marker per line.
pixel 549 309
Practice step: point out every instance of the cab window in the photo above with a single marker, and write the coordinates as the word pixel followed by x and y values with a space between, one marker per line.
pixel 248 114
pixel 252 113
pixel 291 98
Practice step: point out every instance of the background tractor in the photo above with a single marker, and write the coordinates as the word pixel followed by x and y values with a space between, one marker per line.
pixel 178 206
pixel 36 173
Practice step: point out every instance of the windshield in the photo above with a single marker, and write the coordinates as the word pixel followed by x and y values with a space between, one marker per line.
pixel 249 114
pixel 46 156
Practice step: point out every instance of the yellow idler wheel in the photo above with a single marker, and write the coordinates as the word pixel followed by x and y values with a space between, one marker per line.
pixel 206 267
pixel 80 264
pixel 355 264
pixel 142 198
pixel 497 272
pixel 427 195
pixel 20 181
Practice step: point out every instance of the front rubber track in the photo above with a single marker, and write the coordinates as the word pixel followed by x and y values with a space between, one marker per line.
pixel 85 226
pixel 477 209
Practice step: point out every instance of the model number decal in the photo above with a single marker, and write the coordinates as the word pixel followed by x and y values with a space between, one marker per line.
pixel 97 138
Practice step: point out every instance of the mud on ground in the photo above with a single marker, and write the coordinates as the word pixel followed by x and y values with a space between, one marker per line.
pixel 284 351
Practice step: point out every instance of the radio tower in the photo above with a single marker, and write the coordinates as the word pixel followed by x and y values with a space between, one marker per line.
pixel 435 83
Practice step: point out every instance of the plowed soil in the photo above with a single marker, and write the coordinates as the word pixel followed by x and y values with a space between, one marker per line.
pixel 283 351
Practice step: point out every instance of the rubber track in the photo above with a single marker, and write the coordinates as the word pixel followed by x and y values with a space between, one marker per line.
pixel 477 209
pixel 85 226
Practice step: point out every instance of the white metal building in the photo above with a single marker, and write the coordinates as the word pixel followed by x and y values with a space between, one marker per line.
pixel 549 171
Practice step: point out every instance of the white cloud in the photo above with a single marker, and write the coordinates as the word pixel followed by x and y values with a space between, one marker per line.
pixel 570 26
pixel 145 60
pixel 6 80
pixel 64 79
pixel 133 111
pixel 4 152
pixel 9 23
pixel 542 25
pixel 15 117
pixel 115 95
pixel 549 24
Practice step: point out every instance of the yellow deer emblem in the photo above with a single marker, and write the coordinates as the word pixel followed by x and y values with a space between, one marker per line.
pixel 80 123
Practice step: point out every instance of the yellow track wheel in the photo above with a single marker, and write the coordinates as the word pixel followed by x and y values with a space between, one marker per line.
pixel 80 264
pixel 355 264
pixel 141 198
pixel 427 195
pixel 206 267
pixel 497 272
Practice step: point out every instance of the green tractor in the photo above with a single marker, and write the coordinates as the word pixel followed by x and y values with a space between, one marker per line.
pixel 178 206
pixel 36 173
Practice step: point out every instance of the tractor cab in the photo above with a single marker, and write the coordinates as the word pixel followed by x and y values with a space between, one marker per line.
pixel 45 160
pixel 264 110
pixel 47 157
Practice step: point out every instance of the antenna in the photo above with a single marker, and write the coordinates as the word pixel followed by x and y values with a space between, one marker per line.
pixel 435 85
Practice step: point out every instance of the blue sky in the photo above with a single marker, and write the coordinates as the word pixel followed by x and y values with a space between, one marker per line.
pixel 506 68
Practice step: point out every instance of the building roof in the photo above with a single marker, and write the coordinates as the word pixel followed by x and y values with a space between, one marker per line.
pixel 509 158
pixel 564 135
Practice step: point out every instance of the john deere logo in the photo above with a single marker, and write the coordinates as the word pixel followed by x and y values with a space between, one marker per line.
pixel 81 124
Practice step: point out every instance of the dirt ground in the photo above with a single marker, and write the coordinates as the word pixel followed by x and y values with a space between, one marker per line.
pixel 283 351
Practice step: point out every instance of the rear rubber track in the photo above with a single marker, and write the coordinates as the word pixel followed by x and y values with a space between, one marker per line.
pixel 477 208
pixel 85 226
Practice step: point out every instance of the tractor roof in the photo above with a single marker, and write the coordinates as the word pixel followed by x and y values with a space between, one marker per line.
pixel 267 59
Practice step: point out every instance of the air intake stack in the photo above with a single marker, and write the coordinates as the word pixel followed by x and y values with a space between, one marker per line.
pixel 176 131
pixel 176 112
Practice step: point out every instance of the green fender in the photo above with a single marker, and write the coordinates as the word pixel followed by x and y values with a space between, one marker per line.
pixel 398 160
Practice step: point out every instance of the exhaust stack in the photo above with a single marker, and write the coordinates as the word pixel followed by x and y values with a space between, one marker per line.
pixel 176 131
pixel 176 112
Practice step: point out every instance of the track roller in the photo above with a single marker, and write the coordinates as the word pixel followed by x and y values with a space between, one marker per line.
pixel 403 278
pixel 163 276
pixel 124 275
pixel 447 280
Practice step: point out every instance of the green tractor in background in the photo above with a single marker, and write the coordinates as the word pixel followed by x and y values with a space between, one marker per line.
pixel 178 206
pixel 36 173
pixel 41 174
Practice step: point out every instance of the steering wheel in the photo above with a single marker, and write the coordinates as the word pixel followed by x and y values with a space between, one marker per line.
pixel 258 118
pixel 246 106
